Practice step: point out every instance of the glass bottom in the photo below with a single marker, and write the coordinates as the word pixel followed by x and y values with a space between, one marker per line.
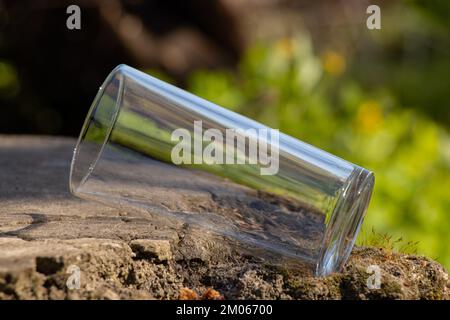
pixel 345 222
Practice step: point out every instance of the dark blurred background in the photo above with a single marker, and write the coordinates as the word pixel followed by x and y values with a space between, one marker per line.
pixel 379 98
pixel 49 74
pixel 57 71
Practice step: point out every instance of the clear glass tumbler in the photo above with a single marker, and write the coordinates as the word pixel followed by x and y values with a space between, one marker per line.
pixel 148 145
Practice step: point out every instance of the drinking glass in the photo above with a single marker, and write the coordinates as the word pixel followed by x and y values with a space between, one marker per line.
pixel 147 145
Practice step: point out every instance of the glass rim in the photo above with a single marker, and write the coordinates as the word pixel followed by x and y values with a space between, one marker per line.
pixel 74 183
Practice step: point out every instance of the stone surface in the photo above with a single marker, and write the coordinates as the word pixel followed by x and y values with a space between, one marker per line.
pixel 152 249
pixel 48 238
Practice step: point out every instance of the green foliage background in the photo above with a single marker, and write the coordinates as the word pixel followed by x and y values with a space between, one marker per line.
pixel 383 115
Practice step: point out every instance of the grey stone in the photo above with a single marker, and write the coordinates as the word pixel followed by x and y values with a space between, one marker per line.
pixel 147 248
pixel 46 234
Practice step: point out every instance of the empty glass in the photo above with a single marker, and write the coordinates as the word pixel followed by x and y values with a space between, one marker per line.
pixel 147 145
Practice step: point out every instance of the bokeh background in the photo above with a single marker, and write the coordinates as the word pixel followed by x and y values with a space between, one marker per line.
pixel 379 98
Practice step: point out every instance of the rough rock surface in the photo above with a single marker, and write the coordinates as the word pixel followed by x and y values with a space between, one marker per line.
pixel 48 238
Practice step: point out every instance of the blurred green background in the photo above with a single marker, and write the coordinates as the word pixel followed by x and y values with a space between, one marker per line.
pixel 378 98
